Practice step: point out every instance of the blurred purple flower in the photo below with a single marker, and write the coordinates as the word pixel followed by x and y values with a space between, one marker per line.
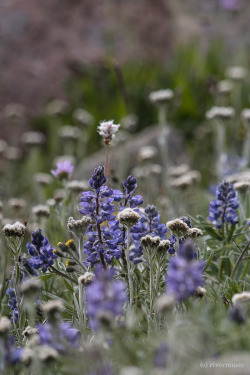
pixel 61 337
pixel 105 296
pixel 64 170
pixel 184 274
pixel 229 4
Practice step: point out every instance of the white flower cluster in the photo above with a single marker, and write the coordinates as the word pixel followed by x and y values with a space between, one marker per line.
pixel 128 217
pixel 161 96
pixel 220 112
pixel 107 129
pixel 41 210
pixel 236 73
pixel 14 230
pixel 178 227
pixel 245 114
pixel 86 278
pixel 81 224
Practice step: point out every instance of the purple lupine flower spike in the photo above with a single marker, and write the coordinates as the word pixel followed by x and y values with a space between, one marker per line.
pixel 184 273
pixel 105 296
pixel 41 251
pixel 223 208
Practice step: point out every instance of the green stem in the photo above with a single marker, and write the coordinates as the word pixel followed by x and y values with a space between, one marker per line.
pixel 239 260
pixel 130 282
pixel 151 286
pixel 63 274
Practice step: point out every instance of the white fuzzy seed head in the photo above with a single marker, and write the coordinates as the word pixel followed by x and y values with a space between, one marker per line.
pixel 128 217
pixel 14 230
pixel 52 306
pixel 107 130
pixel 245 114
pixel 161 96
pixel 86 278
pixel 150 242
pixel 47 353
pixel 29 331
pixel 223 113
pixel 194 233
pixel 5 325
pixel 165 302
pixel 236 73
pixel 41 210
pixel 78 225
pixel 30 286
pixel 178 227
pixel 241 297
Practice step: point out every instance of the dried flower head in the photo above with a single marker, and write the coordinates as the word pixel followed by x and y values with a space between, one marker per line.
pixel 43 179
pixel 17 203
pixel 14 230
pixel 83 117
pixel 161 96
pixel 53 306
pixel 27 356
pixel 78 226
pixel 245 114
pixel 29 331
pixel 41 211
pixel 165 302
pixel 241 297
pixel 150 242
pixel 128 217
pixel 5 325
pixel 223 113
pixel 107 129
pixel 33 138
pixel 131 370
pixel 194 233
pixel 163 245
pixel 200 292
pixel 78 186
pixel 236 73
pixel 242 186
pixel 47 353
pixel 129 122
pixel 86 278
pixel 13 154
pixel 57 107
pixel 178 227
pixel 147 153
pixel 30 286
pixel 178 170
pixel 70 133
pixel 224 87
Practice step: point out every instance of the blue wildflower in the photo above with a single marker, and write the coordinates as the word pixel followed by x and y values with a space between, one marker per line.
pixel 105 295
pixel 41 251
pixel 12 354
pixel 106 241
pixel 149 224
pixel 12 303
pixel 160 356
pixel 61 336
pixel 184 274
pixel 98 179
pixel 223 208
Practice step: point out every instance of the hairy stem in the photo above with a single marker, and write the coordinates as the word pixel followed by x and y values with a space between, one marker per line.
pixel 130 281
pixel 239 260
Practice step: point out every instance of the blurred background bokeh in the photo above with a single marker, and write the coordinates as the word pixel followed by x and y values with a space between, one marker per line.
pixel 68 64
